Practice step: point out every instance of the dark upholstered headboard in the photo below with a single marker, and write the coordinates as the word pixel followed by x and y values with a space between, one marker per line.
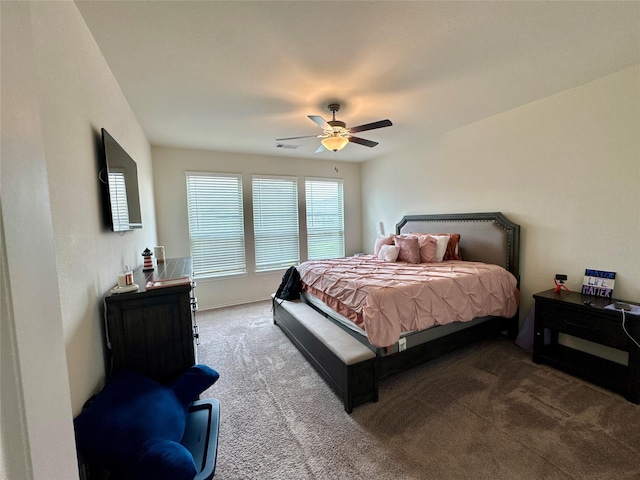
pixel 484 237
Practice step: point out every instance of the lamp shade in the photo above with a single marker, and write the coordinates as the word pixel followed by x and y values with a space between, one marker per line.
pixel 335 142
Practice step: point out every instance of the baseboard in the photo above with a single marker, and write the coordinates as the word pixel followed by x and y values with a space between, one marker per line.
pixel 233 304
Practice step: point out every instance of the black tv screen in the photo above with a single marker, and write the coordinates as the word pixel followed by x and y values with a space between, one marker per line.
pixel 120 175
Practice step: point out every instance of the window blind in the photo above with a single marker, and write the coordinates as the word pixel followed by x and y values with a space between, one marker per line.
pixel 118 198
pixel 275 222
pixel 216 224
pixel 325 218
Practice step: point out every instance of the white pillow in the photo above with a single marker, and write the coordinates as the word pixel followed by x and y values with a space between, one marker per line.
pixel 388 253
pixel 442 242
pixel 382 240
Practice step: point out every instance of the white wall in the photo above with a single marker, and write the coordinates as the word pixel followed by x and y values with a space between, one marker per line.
pixel 566 168
pixel 57 92
pixel 169 166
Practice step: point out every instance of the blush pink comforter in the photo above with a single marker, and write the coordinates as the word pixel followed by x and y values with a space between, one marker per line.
pixel 387 298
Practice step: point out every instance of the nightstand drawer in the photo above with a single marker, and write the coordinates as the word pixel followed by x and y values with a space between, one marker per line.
pixel 596 326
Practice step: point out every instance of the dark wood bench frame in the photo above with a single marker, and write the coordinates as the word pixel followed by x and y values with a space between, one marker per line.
pixel 355 383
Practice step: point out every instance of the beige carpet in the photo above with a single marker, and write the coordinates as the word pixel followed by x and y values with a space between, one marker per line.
pixel 484 412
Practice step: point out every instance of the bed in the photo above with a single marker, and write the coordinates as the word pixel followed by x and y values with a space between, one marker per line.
pixel 485 240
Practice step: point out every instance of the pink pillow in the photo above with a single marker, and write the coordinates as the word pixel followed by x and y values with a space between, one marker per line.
pixel 380 241
pixel 428 248
pixel 442 244
pixel 409 249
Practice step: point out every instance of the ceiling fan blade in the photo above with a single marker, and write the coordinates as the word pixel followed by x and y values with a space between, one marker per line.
pixel 320 121
pixel 295 138
pixel 371 126
pixel 362 141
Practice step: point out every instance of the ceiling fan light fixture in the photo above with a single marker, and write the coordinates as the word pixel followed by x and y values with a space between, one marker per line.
pixel 336 135
pixel 335 142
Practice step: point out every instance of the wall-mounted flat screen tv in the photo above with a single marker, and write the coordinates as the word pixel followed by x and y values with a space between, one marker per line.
pixel 119 175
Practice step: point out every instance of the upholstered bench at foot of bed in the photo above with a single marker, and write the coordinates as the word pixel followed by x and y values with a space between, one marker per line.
pixel 347 365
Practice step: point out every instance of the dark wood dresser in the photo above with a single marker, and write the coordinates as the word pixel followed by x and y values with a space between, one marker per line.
pixel 153 331
pixel 586 317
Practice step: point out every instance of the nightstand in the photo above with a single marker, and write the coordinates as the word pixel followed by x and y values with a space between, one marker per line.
pixel 585 317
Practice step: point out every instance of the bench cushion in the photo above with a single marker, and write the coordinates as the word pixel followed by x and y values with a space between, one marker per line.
pixel 343 345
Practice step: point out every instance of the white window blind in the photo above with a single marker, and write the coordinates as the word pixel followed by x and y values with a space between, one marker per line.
pixel 275 222
pixel 118 198
pixel 325 218
pixel 216 224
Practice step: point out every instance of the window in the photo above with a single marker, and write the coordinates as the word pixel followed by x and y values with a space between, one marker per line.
pixel 275 222
pixel 325 218
pixel 216 224
pixel 118 197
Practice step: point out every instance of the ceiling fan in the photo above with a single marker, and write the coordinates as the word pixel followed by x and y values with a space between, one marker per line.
pixel 335 134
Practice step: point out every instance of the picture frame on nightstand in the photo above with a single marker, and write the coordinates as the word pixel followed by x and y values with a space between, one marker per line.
pixel 598 283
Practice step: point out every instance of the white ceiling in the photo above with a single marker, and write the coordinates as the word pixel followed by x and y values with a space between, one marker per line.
pixel 235 75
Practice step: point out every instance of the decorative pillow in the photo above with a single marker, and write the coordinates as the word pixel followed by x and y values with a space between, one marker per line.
pixel 380 241
pixel 452 251
pixel 428 248
pixel 388 253
pixel 136 420
pixel 441 246
pixel 409 248
pixel 453 248
pixel 448 251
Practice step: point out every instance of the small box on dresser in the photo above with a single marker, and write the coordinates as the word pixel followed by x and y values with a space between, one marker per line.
pixel 585 317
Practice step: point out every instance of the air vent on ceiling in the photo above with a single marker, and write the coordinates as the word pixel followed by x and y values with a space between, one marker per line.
pixel 285 145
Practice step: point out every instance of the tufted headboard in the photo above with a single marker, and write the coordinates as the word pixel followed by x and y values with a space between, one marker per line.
pixel 484 237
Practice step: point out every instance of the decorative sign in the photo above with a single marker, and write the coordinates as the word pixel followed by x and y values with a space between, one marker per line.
pixel 598 283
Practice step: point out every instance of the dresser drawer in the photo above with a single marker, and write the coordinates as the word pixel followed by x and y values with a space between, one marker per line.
pixel 590 324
